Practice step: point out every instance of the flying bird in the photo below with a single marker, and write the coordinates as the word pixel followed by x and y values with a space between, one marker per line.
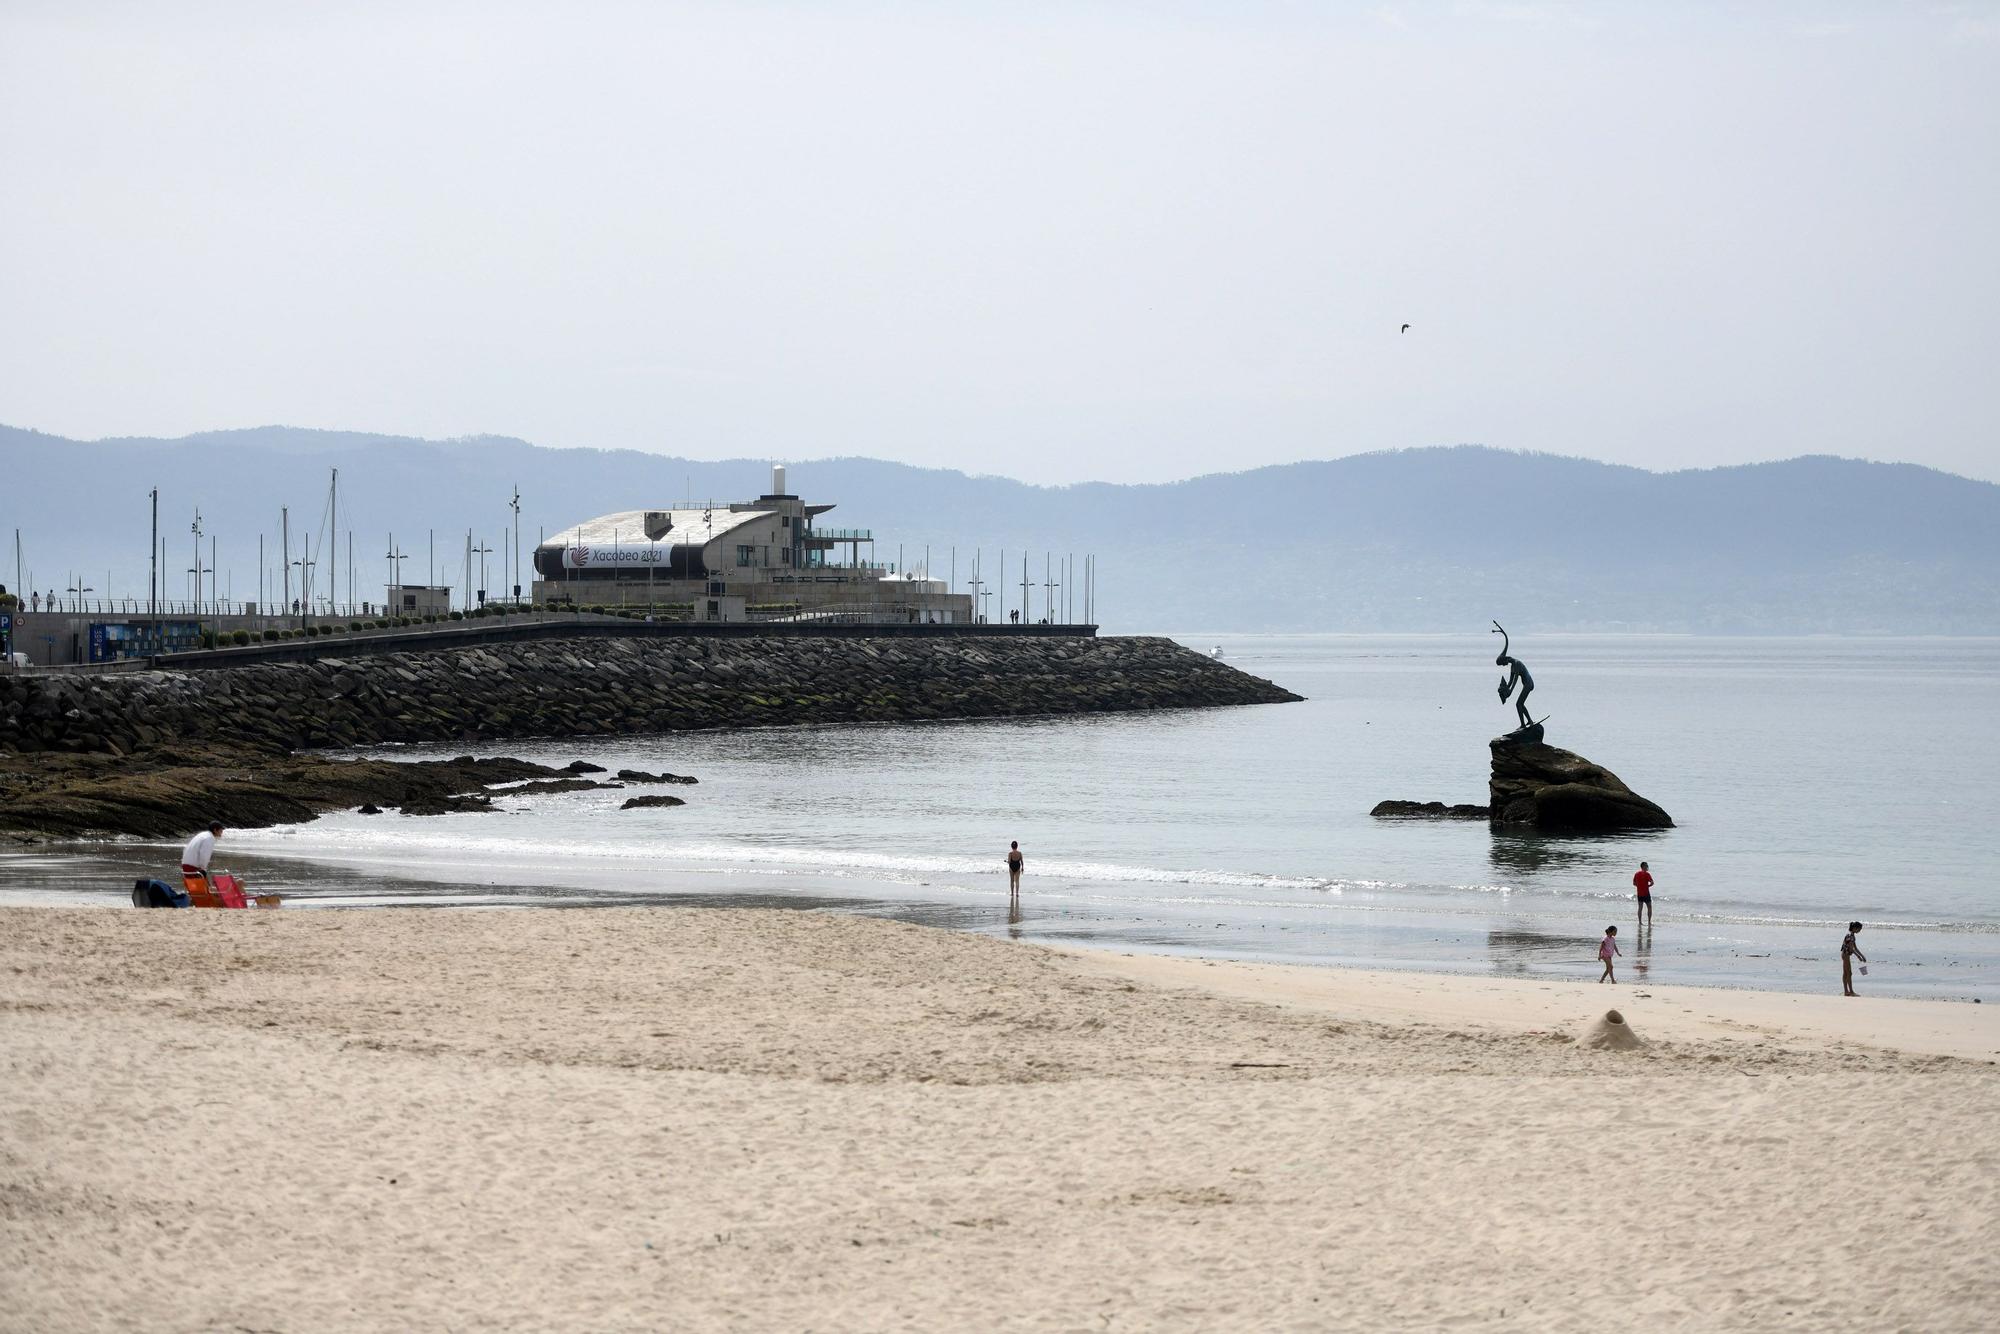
pixel 1405 329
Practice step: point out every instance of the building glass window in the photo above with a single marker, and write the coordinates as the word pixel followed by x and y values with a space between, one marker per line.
pixel 744 555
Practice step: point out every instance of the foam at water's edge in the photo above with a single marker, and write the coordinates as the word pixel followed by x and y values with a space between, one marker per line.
pixel 401 840
pixel 435 841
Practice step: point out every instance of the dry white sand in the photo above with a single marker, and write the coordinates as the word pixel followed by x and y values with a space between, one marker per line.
pixel 651 1118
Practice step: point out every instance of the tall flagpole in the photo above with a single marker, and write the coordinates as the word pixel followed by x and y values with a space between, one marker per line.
pixel 152 578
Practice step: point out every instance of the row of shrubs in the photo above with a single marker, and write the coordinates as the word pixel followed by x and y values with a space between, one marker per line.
pixel 661 611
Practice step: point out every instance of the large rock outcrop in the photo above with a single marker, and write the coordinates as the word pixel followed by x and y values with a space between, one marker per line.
pixel 1543 787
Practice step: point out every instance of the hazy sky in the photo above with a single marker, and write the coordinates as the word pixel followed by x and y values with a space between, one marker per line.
pixel 1126 242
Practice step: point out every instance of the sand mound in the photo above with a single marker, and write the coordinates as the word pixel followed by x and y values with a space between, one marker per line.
pixel 1610 1033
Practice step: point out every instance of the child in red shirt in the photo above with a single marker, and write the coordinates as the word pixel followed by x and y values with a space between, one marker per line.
pixel 1643 883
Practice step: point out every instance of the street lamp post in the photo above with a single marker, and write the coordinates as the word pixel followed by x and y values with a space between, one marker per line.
pixel 305 586
pixel 396 559
pixel 197 564
pixel 482 551
pixel 516 506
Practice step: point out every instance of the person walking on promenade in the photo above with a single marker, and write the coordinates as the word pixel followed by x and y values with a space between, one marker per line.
pixel 1015 861
pixel 1642 883
pixel 1606 950
pixel 1849 952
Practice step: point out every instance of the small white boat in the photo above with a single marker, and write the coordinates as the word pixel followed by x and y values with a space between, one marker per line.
pixel 1216 652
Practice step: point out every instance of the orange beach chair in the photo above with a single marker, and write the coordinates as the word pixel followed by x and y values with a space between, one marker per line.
pixel 222 890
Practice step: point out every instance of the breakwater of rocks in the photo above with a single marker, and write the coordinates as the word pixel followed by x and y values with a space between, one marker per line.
pixel 595 687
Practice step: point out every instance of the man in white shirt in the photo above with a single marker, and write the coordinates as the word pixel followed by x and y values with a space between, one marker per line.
pixel 194 857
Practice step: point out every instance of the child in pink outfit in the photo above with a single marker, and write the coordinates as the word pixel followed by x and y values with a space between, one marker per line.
pixel 1606 951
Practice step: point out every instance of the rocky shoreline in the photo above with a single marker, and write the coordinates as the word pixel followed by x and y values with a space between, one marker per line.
pixel 162 793
pixel 158 753
pixel 170 793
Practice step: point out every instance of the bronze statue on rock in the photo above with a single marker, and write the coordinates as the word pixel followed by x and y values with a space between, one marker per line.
pixel 1517 675
pixel 1538 787
pixel 1549 789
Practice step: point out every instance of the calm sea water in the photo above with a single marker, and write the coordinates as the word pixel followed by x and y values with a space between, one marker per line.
pixel 1813 780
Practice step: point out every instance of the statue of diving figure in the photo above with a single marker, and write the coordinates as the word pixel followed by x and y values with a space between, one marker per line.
pixel 1517 675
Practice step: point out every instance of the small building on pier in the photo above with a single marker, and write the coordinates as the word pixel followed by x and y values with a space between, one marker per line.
pixel 417 600
pixel 762 559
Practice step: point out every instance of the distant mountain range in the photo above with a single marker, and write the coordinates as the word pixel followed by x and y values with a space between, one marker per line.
pixel 1414 540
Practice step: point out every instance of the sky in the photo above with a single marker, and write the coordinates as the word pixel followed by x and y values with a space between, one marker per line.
pixel 1087 241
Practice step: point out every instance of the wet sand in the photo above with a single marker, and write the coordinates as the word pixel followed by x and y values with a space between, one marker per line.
pixel 703 1118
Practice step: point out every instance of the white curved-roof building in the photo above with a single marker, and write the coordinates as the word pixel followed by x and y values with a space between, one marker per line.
pixel 764 554
pixel 682 543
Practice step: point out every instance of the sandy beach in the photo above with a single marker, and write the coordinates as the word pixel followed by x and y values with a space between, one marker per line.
pixel 658 1118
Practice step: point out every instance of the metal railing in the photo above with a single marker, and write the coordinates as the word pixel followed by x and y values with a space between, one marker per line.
pixel 186 609
pixel 855 613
